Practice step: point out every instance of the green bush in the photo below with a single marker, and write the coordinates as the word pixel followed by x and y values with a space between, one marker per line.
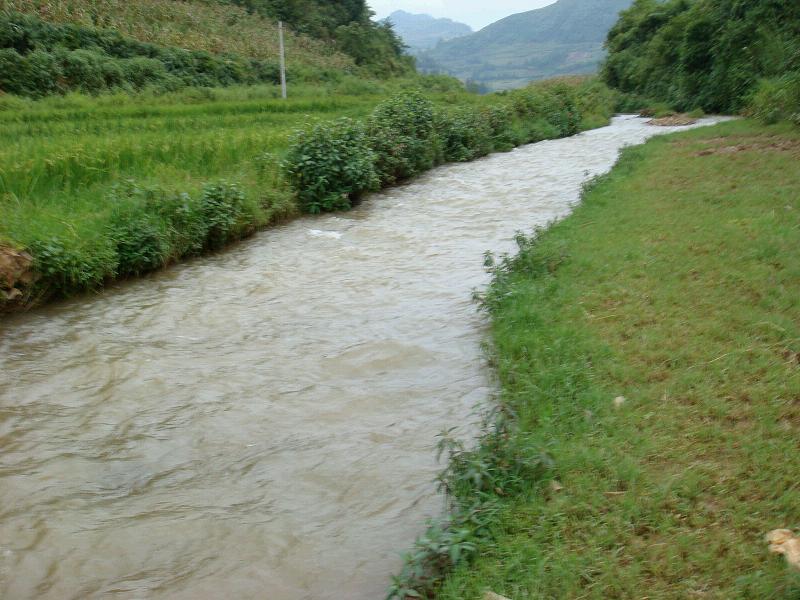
pixel 67 266
pixel 401 133
pixel 222 206
pixel 707 54
pixel 139 239
pixel 141 72
pixel 464 134
pixel 777 99
pixel 187 228
pixel 83 70
pixel 499 119
pixel 43 73
pixel 331 165
pixel 35 74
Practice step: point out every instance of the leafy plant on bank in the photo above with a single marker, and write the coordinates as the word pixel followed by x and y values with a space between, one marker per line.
pixel 331 165
pixel 777 99
pixel 401 133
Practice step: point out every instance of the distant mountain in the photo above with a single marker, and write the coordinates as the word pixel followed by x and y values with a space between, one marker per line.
pixel 422 32
pixel 564 38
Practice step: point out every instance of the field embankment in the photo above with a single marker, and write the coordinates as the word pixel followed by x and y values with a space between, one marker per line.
pixel 95 189
pixel 648 351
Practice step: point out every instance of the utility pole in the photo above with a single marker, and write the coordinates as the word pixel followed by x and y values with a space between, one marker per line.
pixel 283 61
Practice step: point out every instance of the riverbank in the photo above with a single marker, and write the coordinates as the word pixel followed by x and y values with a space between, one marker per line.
pixel 648 351
pixel 97 189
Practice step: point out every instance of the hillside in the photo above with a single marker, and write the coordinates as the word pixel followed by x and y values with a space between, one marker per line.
pixel 423 32
pixel 564 38
pixel 208 26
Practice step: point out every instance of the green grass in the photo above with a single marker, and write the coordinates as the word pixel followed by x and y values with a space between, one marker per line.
pixel 676 284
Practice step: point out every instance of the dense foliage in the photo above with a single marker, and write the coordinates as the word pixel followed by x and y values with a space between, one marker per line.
pixel 331 165
pixel 708 54
pixel 38 58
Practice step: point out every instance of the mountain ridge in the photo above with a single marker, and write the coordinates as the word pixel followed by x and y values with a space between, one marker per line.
pixel 421 31
pixel 563 38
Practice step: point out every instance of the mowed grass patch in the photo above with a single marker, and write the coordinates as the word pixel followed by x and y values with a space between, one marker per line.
pixel 677 288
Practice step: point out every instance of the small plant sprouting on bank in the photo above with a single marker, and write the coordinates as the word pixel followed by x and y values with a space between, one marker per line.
pixel 533 258
pixel 474 481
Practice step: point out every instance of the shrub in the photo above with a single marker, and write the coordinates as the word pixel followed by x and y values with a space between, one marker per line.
pixel 222 205
pixel 68 266
pixel 139 239
pixel 331 165
pixel 83 69
pixel 500 122
pixel 38 58
pixel 401 132
pixel 141 72
pixel 777 99
pixel 187 229
pixel 464 134
pixel 13 71
pixel 43 73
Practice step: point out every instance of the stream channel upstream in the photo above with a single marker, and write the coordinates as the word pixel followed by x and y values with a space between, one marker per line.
pixel 261 423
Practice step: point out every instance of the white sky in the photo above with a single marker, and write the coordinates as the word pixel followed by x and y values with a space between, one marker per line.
pixel 476 13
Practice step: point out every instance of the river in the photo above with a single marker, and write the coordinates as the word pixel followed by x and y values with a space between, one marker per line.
pixel 260 423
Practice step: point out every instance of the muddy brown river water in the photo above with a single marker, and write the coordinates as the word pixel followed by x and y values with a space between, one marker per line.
pixel 261 423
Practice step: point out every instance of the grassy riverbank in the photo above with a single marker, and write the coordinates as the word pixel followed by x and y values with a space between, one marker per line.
pixel 95 189
pixel 676 286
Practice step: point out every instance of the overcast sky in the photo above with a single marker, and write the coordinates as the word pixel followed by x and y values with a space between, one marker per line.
pixel 476 13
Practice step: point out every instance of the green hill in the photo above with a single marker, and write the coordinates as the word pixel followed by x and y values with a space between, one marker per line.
pixel 336 35
pixel 208 26
pixel 423 32
pixel 565 38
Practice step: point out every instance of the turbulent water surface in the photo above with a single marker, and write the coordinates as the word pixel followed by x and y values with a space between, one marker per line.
pixel 261 423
